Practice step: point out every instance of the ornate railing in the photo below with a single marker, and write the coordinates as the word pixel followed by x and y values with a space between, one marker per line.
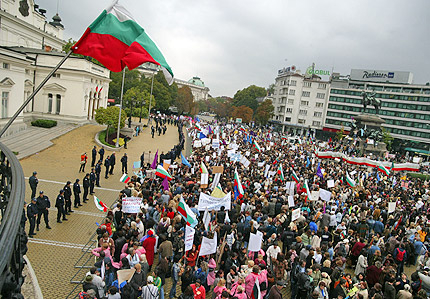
pixel 13 240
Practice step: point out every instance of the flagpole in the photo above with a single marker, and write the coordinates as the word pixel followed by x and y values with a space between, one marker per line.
pixel 38 88
pixel 150 98
pixel 120 109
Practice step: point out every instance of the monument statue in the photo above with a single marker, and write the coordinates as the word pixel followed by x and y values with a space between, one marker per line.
pixel 369 99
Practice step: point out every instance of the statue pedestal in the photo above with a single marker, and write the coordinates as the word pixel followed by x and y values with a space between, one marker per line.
pixel 371 122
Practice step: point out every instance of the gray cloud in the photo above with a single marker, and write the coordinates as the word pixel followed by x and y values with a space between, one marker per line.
pixel 232 44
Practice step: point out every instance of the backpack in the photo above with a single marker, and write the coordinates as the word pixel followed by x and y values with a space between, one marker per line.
pixel 400 255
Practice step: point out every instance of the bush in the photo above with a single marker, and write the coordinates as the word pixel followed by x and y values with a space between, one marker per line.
pixel 102 136
pixel 44 123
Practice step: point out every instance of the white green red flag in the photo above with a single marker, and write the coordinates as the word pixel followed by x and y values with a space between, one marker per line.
pixel 203 168
pixel 350 181
pixel 197 126
pixel 281 172
pixel 242 129
pixel 162 173
pixel 100 205
pixel 256 146
pixel 238 188
pixel 116 40
pixel 186 213
pixel 308 191
pixel 294 176
pixel 384 170
pixel 125 178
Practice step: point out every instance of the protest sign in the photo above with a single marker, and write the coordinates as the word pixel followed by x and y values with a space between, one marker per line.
pixel 295 214
pixel 330 183
pixel 197 143
pixel 125 275
pixel 215 143
pixel 254 242
pixel 204 180
pixel 291 201
pixel 131 205
pixel 391 207
pixel 247 153
pixel 213 203
pixel 136 164
pixel 189 237
pixel 315 195
pixel 325 195
pixel 245 161
pixel 208 246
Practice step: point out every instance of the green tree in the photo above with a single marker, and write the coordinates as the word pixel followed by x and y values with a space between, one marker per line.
pixel 264 112
pixel 184 100
pixel 243 112
pixel 271 89
pixel 136 98
pixel 164 94
pixel 340 134
pixel 248 96
pixel 109 116
pixel 132 79
pixel 387 138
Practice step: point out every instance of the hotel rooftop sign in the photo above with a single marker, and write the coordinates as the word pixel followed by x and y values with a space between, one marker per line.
pixel 381 76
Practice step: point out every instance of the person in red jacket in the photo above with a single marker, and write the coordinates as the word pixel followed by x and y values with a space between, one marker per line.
pixel 191 256
pixel 356 249
pixel 149 244
pixel 199 290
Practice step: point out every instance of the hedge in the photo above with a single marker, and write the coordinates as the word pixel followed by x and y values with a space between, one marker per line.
pixel 44 123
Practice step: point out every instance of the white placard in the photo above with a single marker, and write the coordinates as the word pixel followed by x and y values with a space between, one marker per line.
pixel 330 183
pixel 215 143
pixel 254 242
pixel 131 205
pixel 272 173
pixel 295 214
pixel 197 143
pixel 205 141
pixel 266 171
pixel 208 246
pixel 207 158
pixel 325 195
pixel 245 161
pixel 204 180
pixel 391 207
pixel 207 148
pixel 353 172
pixel 214 203
pixel 261 164
pixel 315 195
pixel 256 156
pixel 189 237
pixel 247 153
pixel 230 153
pixel 291 201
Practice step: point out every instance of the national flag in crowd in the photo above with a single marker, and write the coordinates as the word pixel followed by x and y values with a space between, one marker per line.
pixel 100 205
pixel 242 129
pixel 197 126
pixel 319 172
pixel 116 40
pixel 294 176
pixel 350 181
pixel 186 213
pixel 281 172
pixel 184 161
pixel 284 138
pixel 203 168
pixel 206 219
pixel 154 163
pixel 384 170
pixel 162 173
pixel 256 146
pixel 256 290
pixel 201 136
pixel 238 188
pixel 125 178
pixel 308 191
pixel 398 222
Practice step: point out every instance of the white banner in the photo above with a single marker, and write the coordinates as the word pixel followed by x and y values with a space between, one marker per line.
pixel 189 237
pixel 213 203
pixel 255 241
pixel 330 183
pixel 391 207
pixel 208 246
pixel 197 143
pixel 325 195
pixel 131 205
pixel 204 179
pixel 291 201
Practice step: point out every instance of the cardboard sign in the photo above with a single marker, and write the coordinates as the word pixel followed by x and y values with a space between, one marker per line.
pixel 218 169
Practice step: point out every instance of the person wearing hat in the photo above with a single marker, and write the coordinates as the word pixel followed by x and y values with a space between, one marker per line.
pixel 33 181
pixel 42 204
pixel 88 285
pixel 31 215
pixel 150 290
pixel 59 204
pixel 68 198
pixel 275 291
pixel 76 192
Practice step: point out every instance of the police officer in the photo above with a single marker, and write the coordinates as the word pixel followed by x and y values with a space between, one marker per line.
pixel 59 204
pixel 152 131
pixel 33 181
pixel 86 185
pixel 101 153
pixel 98 170
pixel 42 204
pixel 68 197
pixel 107 166
pixel 112 162
pixel 92 181
pixel 76 193
pixel 124 163
pixel 93 156
pixel 142 160
pixel 31 215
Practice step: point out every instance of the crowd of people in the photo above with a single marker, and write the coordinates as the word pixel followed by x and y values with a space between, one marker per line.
pixel 352 245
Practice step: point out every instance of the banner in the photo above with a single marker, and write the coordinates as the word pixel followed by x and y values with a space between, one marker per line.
pixel 213 203
pixel 391 207
pixel 325 195
pixel 189 237
pixel 255 241
pixel 131 205
pixel 208 246
pixel 215 143
pixel 204 180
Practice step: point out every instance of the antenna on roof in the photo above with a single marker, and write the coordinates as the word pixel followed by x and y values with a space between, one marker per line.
pixel 58 4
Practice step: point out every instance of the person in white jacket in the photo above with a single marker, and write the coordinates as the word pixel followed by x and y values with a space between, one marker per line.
pixel 361 264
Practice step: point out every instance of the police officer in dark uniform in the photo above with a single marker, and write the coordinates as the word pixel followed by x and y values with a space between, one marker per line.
pixel 42 204
pixel 68 197
pixel 76 193
pixel 59 204
pixel 86 185
pixel 107 166
pixel 112 162
pixel 142 159
pixel 33 181
pixel 92 181
pixel 98 170
pixel 124 160
pixel 93 156
pixel 101 153
pixel 31 215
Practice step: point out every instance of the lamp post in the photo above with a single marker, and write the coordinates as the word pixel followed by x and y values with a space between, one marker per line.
pixel 142 102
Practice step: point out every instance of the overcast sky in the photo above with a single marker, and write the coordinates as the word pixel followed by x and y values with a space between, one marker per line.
pixel 232 44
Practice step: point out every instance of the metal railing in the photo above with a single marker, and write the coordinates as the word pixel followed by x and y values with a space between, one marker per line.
pixel 13 240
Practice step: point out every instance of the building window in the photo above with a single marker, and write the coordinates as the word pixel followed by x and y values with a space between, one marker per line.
pixel 6 65
pixel 319 105
pixel 316 123
pixel 56 75
pixel 293 82
pixel 289 110
pixel 306 94
pixel 288 119
pixel 304 103
pixel 320 95
pixel 307 84
pixel 50 103
pixel 291 101
pixel 4 103
pixel 303 112
pixel 58 104
pixel 302 121
pixel 318 114
pixel 292 92
pixel 322 85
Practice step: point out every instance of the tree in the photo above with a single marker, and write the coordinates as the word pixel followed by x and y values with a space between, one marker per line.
pixel 248 96
pixel 109 116
pixel 264 112
pixel 243 112
pixel 271 89
pixel 184 100
pixel 387 138
pixel 340 134
pixel 140 98
pixel 132 79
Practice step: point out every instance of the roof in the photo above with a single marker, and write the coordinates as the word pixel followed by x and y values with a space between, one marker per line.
pixel 196 81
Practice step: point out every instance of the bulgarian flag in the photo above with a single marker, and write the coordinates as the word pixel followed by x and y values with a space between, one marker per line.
pixel 242 129
pixel 238 188
pixel 162 173
pixel 197 126
pixel 350 181
pixel 203 168
pixel 308 191
pixel 255 144
pixel 284 137
pixel 384 170
pixel 125 178
pixel 186 212
pixel 100 205
pixel 295 177
pixel 281 173
pixel 256 289
pixel 116 40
